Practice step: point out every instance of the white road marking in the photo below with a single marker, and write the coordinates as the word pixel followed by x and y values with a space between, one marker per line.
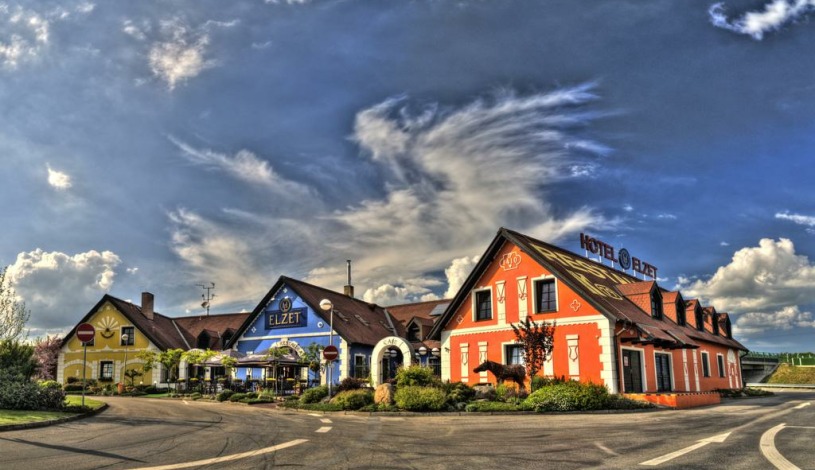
pixel 228 458
pixel 703 442
pixel 802 405
pixel 769 451
pixel 325 420
pixel 324 429
pixel 801 427
pixel 606 449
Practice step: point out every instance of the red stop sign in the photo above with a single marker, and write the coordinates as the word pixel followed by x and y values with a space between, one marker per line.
pixel 330 353
pixel 85 332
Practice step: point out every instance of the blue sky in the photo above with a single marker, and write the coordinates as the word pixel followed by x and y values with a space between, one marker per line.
pixel 154 146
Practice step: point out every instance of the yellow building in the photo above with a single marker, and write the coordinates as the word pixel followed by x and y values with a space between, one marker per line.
pixel 124 329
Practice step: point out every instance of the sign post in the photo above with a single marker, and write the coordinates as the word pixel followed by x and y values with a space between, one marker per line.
pixel 85 333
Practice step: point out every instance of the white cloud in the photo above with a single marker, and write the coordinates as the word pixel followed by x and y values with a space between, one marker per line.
pixel 806 220
pixel 388 294
pixel 287 2
pixel 628 207
pixel 58 179
pixel 787 318
pixel 244 166
pixel 25 33
pixel 666 216
pixel 457 273
pixel 180 56
pixel 723 243
pixel 776 14
pixel 451 178
pixel 765 278
pixel 58 287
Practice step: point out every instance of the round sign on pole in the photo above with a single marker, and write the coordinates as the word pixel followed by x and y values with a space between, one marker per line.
pixel 85 332
pixel 330 353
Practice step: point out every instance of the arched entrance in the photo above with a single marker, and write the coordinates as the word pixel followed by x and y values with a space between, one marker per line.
pixel 384 362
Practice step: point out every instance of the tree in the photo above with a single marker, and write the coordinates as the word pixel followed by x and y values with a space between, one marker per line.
pixel 46 351
pixel 537 340
pixel 13 314
pixel 170 359
pixel 311 357
pixel 196 357
pixel 17 362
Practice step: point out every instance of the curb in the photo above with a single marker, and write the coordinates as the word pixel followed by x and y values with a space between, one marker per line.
pixel 50 422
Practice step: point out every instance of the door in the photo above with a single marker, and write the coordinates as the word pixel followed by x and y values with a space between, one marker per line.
pixel 663 366
pixel 632 371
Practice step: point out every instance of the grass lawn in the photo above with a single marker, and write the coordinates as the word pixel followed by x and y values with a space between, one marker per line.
pixel 787 374
pixel 156 395
pixel 8 417
pixel 23 416
pixel 76 400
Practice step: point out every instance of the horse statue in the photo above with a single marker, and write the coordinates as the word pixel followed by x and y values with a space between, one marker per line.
pixel 514 372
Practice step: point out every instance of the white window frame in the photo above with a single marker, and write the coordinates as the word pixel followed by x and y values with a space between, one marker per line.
pixel 642 367
pixel 704 358
pixel 504 351
pixel 670 369
pixel 721 364
pixel 475 304
pixel 545 277
pixel 129 339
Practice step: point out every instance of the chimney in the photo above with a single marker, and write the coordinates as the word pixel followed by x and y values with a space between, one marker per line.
pixel 348 290
pixel 147 305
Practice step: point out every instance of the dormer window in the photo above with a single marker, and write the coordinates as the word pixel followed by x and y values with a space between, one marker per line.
pixel 700 319
pixel 203 340
pixel 656 304
pixel 714 320
pixel 414 333
pixel 680 312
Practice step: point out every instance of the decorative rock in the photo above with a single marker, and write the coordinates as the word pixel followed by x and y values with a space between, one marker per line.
pixel 384 394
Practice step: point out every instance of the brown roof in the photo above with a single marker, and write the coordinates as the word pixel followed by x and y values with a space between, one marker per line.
pixel 165 332
pixel 420 311
pixel 605 282
pixel 214 325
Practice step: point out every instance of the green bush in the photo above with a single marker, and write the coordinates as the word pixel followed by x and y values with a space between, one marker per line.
pixel 314 395
pixel 224 395
pixel 73 387
pixel 311 406
pixel 755 392
pixel 18 394
pixel 193 396
pixel 353 399
pixel 416 376
pixel 491 406
pixel 351 383
pixel 568 396
pixel 417 398
pixel 458 392
pixel 238 397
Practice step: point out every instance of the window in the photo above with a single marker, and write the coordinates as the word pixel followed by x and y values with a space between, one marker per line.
pixel 680 312
pixel 106 370
pixel 514 354
pixel 705 365
pixel 203 340
pixel 700 319
pixel 360 366
pixel 545 296
pixel 131 333
pixel 656 304
pixel 483 305
pixel 720 361
pixel 714 319
pixel 413 333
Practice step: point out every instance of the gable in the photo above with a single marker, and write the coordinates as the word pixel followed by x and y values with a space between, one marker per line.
pixel 108 321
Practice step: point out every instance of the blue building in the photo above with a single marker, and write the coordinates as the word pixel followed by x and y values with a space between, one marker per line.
pixel 290 318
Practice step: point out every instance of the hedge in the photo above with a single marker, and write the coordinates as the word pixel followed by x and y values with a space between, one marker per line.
pixel 353 399
pixel 416 398
pixel 568 396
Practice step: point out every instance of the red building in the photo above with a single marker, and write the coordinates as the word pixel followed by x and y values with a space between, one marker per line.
pixel 612 328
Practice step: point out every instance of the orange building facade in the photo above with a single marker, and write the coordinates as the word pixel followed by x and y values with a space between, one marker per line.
pixel 611 328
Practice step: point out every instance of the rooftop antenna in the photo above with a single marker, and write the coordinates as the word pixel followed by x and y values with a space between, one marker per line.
pixel 208 296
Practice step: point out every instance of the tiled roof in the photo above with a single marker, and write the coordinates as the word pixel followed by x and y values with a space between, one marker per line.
pixel 563 263
pixel 215 325
pixel 421 311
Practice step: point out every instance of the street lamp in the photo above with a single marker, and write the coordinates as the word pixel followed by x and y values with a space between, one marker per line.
pixel 125 337
pixel 327 306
